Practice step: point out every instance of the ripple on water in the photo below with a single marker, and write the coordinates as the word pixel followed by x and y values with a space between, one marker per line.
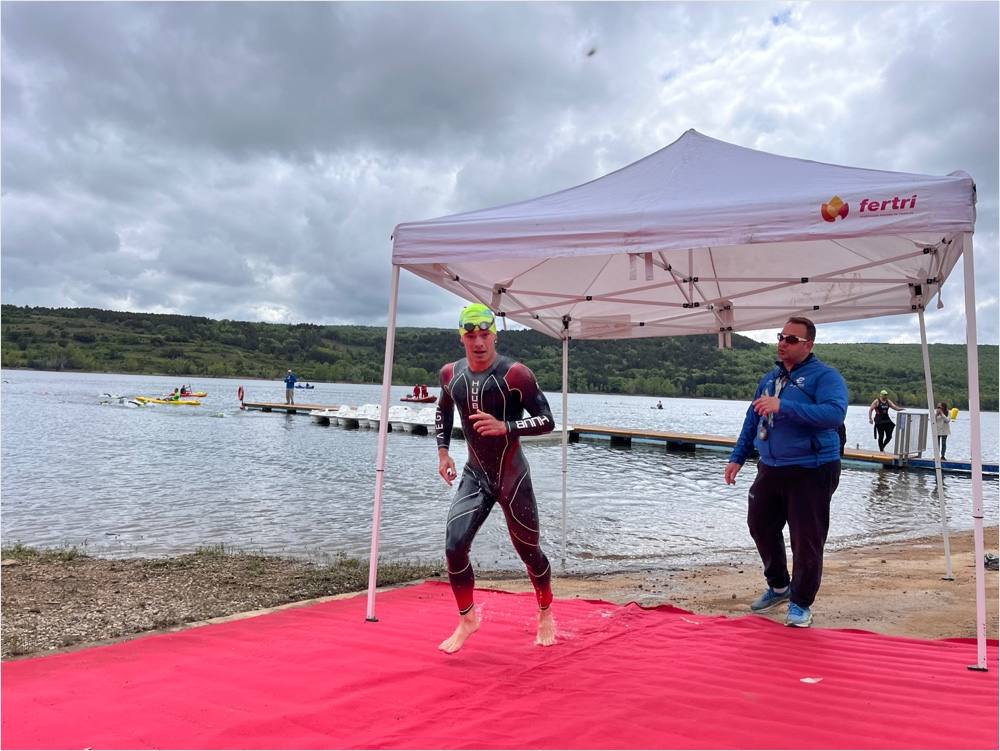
pixel 164 479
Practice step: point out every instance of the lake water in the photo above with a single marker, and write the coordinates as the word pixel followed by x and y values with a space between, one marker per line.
pixel 163 480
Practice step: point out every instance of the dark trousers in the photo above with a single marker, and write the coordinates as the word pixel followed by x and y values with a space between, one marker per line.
pixel 944 444
pixel 800 497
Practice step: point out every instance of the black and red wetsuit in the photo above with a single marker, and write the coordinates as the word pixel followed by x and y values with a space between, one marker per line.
pixel 496 470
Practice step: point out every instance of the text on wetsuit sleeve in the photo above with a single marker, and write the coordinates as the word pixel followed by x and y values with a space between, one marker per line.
pixel 444 417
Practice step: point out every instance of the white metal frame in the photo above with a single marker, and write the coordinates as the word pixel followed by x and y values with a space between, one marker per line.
pixel 925 352
pixel 722 310
pixel 383 434
pixel 976 449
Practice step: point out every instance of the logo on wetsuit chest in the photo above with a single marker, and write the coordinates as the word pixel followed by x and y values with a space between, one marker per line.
pixel 474 388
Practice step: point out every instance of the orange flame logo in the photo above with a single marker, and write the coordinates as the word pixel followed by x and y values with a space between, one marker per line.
pixel 833 208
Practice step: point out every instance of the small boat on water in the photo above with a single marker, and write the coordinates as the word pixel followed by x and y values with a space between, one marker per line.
pixel 429 399
pixel 399 415
pixel 421 421
pixel 402 419
pixel 194 394
pixel 347 417
pixel 157 400
pixel 324 416
pixel 368 415
pixel 304 386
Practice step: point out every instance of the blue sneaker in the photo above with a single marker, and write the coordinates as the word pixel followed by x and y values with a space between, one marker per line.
pixel 798 616
pixel 769 599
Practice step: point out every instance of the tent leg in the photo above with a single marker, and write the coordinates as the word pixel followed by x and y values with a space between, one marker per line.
pixel 565 441
pixel 975 446
pixel 383 434
pixel 948 576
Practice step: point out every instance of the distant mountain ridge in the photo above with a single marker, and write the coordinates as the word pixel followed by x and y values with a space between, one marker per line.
pixel 88 339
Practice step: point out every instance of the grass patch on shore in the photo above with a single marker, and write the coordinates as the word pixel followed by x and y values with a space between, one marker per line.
pixel 343 574
pixel 60 597
pixel 218 550
pixel 347 574
pixel 21 552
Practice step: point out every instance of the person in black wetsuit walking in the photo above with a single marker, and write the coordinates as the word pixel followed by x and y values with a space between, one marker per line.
pixel 878 413
pixel 491 393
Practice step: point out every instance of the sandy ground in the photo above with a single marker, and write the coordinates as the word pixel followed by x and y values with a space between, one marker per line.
pixel 895 588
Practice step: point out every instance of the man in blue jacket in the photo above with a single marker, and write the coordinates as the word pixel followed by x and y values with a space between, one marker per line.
pixel 792 422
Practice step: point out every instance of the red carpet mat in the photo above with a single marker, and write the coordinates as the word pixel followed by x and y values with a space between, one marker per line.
pixel 619 677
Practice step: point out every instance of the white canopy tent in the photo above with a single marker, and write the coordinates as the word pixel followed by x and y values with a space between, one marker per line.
pixel 707 237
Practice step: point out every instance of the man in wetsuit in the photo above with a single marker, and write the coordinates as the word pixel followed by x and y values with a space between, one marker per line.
pixel 491 394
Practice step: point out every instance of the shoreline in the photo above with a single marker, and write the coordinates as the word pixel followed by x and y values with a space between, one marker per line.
pixel 277 380
pixel 893 588
pixel 62 601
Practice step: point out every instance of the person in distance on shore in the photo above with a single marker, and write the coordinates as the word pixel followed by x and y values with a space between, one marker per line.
pixel 793 423
pixel 491 393
pixel 942 420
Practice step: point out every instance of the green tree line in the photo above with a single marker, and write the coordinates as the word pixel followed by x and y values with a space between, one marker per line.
pixel 87 339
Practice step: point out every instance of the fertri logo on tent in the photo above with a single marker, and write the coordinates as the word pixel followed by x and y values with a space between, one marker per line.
pixel 833 208
pixel 894 205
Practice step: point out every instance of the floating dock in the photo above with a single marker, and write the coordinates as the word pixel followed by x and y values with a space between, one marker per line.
pixel 673 441
pixel 690 441
pixel 292 409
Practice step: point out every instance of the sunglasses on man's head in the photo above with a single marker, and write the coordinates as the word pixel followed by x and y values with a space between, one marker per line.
pixel 482 325
pixel 791 338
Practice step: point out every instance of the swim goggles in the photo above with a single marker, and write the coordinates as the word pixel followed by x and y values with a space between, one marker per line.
pixel 481 325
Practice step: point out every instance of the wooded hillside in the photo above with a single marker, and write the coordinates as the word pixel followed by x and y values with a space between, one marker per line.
pixel 87 339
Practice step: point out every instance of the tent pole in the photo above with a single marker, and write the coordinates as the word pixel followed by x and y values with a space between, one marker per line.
pixel 934 437
pixel 565 437
pixel 975 446
pixel 383 434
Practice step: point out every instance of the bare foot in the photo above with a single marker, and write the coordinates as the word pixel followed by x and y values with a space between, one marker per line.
pixel 468 624
pixel 546 628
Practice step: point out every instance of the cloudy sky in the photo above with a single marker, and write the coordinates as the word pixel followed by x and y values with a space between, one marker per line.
pixel 249 161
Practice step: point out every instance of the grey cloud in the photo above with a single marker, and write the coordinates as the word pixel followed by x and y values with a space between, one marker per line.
pixel 250 160
pixel 245 78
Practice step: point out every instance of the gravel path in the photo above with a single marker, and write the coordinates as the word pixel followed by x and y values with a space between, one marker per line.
pixel 56 600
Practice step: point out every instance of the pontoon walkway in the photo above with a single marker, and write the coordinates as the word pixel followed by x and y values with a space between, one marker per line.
pixel 289 408
pixel 688 442
pixel 676 441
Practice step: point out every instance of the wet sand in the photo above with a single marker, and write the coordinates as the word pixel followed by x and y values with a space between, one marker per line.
pixel 894 588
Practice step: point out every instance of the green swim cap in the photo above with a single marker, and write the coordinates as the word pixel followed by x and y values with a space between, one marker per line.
pixel 474 316
pixel 883 391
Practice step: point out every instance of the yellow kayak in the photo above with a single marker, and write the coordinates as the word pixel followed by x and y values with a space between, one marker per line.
pixel 155 400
